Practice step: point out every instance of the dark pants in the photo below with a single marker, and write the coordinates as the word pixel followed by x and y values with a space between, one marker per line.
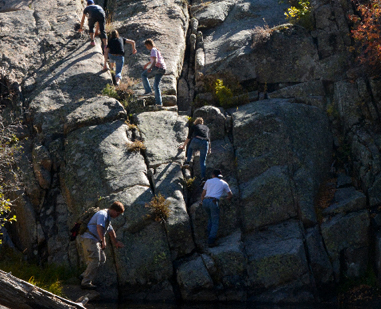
pixel 213 212
pixel 101 21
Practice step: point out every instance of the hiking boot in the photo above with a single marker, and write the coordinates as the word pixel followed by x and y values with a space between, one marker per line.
pixel 92 43
pixel 88 286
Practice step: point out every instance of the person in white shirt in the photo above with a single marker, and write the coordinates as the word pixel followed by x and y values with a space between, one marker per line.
pixel 213 189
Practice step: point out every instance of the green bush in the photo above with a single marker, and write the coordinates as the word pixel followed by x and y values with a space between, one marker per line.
pixel 300 13
pixel 49 277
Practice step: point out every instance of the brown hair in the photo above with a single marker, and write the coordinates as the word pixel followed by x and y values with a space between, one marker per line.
pixel 199 120
pixel 117 206
pixel 149 42
pixel 114 34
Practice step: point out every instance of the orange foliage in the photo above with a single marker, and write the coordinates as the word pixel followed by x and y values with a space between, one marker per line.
pixel 367 32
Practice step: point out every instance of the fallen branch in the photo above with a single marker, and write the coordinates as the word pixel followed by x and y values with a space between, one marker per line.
pixel 19 294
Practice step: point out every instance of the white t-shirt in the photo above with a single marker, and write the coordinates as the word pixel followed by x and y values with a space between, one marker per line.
pixel 216 187
pixel 101 218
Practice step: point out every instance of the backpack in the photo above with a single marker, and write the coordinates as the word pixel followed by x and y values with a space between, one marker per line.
pixel 82 221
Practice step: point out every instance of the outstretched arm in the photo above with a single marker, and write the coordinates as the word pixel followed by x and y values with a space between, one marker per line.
pixel 230 195
pixel 132 42
pixel 82 22
pixel 115 242
pixel 185 143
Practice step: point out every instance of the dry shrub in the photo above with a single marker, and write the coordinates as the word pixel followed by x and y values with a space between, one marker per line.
pixel 260 35
pixel 136 146
pixel 159 208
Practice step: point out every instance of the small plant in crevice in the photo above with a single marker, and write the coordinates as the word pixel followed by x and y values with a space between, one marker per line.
pixel 110 91
pixel 260 34
pixel 300 13
pixel 190 183
pixel 136 146
pixel 224 90
pixel 123 93
pixel 159 208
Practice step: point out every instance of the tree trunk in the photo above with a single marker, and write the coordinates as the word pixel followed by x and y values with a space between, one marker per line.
pixel 19 294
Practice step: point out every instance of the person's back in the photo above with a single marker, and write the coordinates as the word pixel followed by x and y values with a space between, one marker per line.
pixel 200 130
pixel 216 187
pixel 101 218
pixel 94 11
pixel 116 46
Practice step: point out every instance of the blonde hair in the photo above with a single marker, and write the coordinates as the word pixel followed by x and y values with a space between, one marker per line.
pixel 199 120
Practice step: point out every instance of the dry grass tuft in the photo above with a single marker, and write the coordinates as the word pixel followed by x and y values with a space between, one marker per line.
pixel 260 35
pixel 136 146
pixel 159 207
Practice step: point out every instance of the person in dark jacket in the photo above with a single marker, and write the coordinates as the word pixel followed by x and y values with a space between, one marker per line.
pixel 199 136
pixel 114 52
pixel 95 14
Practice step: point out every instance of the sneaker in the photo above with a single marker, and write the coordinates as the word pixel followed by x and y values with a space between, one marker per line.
pixel 88 286
pixel 186 164
pixel 92 43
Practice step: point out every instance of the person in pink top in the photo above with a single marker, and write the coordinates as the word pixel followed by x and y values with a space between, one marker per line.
pixel 156 67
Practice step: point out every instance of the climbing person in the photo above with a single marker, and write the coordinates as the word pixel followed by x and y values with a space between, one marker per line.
pixel 114 52
pixel 213 189
pixel 199 136
pixel 156 67
pixel 94 242
pixel 95 14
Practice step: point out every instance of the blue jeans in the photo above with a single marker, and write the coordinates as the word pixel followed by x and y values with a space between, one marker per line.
pixel 119 62
pixel 213 212
pixel 203 146
pixel 158 73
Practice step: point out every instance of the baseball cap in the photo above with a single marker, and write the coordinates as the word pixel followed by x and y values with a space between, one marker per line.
pixel 217 173
pixel 90 2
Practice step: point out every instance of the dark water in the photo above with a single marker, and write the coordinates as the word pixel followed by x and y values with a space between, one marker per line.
pixel 160 305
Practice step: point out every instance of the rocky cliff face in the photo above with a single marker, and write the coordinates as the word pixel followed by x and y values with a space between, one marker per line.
pixel 276 151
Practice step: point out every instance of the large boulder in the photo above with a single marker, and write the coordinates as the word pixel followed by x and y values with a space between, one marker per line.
pixel 345 232
pixel 99 163
pixel 292 172
pixel 194 280
pixel 276 260
pixel 162 132
pixel 228 44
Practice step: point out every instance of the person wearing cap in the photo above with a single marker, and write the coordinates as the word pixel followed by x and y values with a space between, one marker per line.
pixel 95 14
pixel 94 242
pixel 213 189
